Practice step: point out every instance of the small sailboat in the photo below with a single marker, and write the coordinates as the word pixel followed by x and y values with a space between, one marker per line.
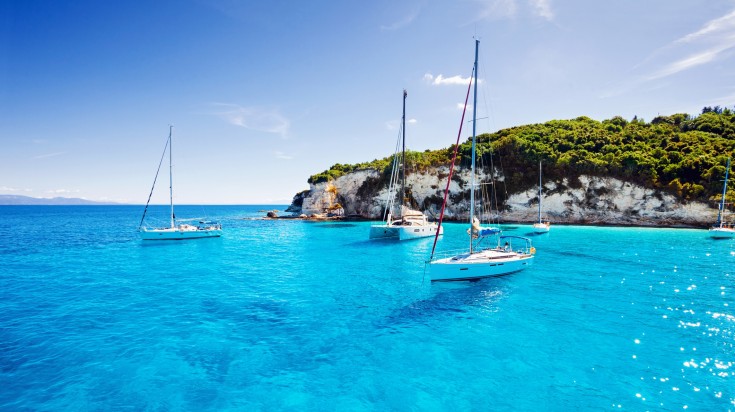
pixel 406 223
pixel 721 229
pixel 175 231
pixel 508 254
pixel 540 226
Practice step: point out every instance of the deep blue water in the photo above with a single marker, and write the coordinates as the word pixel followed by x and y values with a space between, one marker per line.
pixel 292 315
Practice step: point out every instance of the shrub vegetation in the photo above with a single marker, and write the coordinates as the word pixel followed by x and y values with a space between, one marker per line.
pixel 682 154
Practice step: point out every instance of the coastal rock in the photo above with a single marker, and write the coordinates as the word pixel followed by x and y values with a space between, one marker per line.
pixel 611 201
pixel 573 200
pixel 323 196
pixel 297 202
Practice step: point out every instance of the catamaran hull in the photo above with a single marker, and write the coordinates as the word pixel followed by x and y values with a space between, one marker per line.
pixel 403 232
pixel 722 233
pixel 178 234
pixel 416 232
pixel 449 269
pixel 383 232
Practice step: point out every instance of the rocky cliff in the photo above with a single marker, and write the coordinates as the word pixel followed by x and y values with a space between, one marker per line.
pixel 573 200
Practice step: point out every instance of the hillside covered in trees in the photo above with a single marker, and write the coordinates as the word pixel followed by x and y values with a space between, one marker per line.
pixel 681 154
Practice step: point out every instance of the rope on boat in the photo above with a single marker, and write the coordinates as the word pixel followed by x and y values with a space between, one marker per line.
pixel 154 183
pixel 451 166
pixel 391 195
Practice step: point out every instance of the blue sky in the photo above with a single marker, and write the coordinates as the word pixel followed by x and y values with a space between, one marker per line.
pixel 263 94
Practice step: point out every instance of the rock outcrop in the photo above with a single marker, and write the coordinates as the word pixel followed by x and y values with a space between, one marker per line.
pixel 573 200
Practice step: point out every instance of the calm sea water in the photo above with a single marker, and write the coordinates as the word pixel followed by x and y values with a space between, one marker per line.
pixel 291 315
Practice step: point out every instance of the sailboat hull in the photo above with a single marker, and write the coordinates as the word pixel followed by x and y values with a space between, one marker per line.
pixel 541 227
pixel 179 233
pixel 479 265
pixel 722 233
pixel 403 232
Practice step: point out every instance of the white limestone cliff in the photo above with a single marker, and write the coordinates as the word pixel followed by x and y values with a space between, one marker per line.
pixel 580 200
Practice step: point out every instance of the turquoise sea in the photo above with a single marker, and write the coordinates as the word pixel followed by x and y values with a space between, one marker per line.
pixel 293 315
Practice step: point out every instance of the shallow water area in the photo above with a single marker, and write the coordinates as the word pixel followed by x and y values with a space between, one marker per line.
pixel 303 315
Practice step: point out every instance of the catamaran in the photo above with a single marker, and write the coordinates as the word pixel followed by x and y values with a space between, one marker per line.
pixel 407 223
pixel 721 229
pixel 508 254
pixel 540 226
pixel 175 231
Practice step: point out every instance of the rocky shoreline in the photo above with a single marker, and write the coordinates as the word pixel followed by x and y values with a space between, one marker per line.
pixel 581 200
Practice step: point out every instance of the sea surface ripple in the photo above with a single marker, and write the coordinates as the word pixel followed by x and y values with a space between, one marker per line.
pixel 294 315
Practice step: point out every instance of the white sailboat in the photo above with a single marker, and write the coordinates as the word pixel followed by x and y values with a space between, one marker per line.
pixel 508 254
pixel 723 230
pixel 540 226
pixel 406 223
pixel 175 231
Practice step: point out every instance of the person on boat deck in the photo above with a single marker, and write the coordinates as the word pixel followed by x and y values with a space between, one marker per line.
pixel 474 231
pixel 506 246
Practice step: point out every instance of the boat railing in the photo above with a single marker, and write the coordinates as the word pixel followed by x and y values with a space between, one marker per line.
pixel 448 254
pixel 517 244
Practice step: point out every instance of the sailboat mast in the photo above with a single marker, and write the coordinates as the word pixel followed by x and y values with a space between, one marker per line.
pixel 724 192
pixel 539 191
pixel 171 174
pixel 474 133
pixel 403 154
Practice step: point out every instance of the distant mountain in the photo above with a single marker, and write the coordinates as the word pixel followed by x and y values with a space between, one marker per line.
pixel 61 201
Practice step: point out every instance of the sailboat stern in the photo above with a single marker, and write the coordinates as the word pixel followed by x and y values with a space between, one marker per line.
pixel 384 232
pixel 722 232
pixel 541 227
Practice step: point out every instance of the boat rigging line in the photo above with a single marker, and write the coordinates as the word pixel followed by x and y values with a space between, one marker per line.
pixel 451 165
pixel 163 155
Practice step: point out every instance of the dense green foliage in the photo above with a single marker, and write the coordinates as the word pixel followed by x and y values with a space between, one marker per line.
pixel 682 154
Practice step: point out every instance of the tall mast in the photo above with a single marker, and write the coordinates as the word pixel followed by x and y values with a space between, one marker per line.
pixel 474 131
pixel 171 174
pixel 724 192
pixel 403 155
pixel 539 191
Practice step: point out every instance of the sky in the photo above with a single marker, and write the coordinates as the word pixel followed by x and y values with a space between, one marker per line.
pixel 263 94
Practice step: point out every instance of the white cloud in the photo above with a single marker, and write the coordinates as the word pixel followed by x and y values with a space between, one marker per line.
pixel 701 47
pixel 254 118
pixel 686 63
pixel 441 80
pixel 460 106
pixel 496 9
pixel 61 191
pixel 509 9
pixel 412 121
pixel 542 8
pixel 47 155
pixel 722 25
pixel 281 155
pixel 14 189
pixel 714 40
pixel 401 23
